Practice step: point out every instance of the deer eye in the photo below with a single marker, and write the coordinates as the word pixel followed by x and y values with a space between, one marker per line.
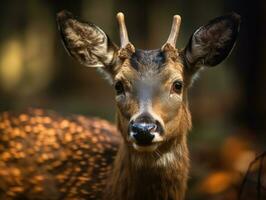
pixel 177 86
pixel 119 88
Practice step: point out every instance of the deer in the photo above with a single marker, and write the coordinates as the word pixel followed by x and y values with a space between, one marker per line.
pixel 145 156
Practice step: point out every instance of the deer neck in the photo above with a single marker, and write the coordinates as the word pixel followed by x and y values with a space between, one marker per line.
pixel 162 175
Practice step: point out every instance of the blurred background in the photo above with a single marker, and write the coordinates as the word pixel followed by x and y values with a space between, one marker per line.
pixel 228 103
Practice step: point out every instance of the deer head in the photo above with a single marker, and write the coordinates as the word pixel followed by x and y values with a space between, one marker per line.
pixel 151 85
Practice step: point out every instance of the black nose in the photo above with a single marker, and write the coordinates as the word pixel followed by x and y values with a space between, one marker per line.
pixel 143 132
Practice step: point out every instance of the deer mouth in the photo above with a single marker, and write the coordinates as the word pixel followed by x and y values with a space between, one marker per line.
pixel 148 147
pixel 144 143
pixel 145 148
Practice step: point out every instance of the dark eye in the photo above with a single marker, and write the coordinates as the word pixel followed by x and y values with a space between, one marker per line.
pixel 177 86
pixel 119 88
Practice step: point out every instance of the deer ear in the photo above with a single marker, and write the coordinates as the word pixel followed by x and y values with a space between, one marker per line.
pixel 86 42
pixel 212 43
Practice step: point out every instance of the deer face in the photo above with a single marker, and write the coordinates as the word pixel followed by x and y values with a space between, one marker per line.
pixel 151 85
pixel 150 89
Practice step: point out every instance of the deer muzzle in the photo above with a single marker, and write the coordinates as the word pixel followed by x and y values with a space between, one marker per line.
pixel 145 132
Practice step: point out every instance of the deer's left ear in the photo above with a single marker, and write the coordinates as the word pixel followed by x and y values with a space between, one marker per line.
pixel 86 42
pixel 212 43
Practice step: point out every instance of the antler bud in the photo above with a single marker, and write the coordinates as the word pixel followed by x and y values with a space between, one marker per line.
pixel 174 31
pixel 123 30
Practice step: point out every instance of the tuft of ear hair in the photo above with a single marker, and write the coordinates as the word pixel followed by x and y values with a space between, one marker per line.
pixel 212 43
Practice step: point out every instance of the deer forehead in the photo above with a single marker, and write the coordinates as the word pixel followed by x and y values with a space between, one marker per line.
pixel 150 67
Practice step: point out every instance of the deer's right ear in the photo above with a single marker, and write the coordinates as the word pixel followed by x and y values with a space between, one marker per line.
pixel 86 42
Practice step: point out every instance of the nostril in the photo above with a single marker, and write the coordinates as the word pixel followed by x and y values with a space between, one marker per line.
pixel 151 127
pixel 135 128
